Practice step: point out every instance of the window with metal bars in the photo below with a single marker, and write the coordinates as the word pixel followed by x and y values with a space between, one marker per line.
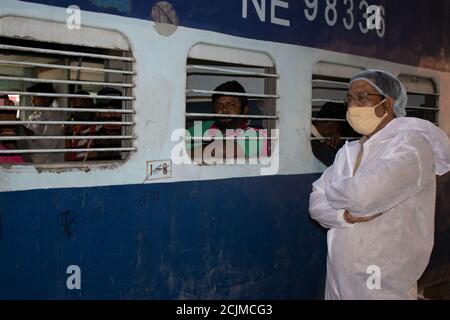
pixel 64 103
pixel 423 98
pixel 329 129
pixel 328 111
pixel 205 121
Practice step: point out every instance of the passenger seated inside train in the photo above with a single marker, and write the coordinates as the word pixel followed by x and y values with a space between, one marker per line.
pixel 228 127
pixel 328 132
pixel 84 103
pixel 80 129
pixel 35 129
pixel 10 131
pixel 107 129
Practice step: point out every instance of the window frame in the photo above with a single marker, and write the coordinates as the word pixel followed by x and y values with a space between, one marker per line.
pixel 330 72
pixel 416 85
pixel 48 47
pixel 224 60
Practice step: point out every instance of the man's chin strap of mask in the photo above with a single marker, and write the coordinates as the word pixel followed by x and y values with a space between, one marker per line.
pixel 364 119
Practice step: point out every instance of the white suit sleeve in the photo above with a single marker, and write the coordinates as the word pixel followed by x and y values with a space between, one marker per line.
pixel 376 188
pixel 319 207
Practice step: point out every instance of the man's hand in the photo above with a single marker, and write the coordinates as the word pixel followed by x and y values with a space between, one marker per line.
pixel 352 219
pixel 28 131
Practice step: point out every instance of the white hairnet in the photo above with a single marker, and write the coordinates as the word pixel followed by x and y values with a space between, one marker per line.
pixel 387 85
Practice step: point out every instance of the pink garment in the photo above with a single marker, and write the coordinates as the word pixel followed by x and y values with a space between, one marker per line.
pixel 10 159
pixel 214 131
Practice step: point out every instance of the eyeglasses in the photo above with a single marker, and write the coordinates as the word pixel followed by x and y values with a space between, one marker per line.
pixel 360 98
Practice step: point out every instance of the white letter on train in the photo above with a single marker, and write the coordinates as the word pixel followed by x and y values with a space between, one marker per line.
pixel 274 19
pixel 260 8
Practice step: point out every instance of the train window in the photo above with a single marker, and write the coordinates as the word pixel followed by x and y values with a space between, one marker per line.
pixel 231 99
pixel 423 98
pixel 65 103
pixel 329 129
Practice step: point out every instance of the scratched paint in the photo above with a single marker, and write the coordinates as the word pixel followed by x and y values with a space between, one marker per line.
pixel 165 241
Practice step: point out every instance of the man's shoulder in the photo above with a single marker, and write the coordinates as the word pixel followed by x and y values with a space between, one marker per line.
pixel 256 130
pixel 405 128
pixel 411 141
pixel 409 136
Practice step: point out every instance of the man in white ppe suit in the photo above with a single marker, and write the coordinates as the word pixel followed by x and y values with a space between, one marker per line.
pixel 378 198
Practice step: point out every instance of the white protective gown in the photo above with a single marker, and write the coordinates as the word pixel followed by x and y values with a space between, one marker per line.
pixel 397 178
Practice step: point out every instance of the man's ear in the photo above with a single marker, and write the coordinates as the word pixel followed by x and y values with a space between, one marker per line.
pixel 245 110
pixel 389 104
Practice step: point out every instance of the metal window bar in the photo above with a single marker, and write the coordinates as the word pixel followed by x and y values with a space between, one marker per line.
pixel 21 138
pixel 59 66
pixel 328 100
pixel 23 151
pixel 423 93
pixel 329 119
pixel 208 99
pixel 331 82
pixel 229 116
pixel 330 88
pixel 232 72
pixel 237 94
pixel 66 95
pixel 122 123
pixel 229 138
pixel 341 138
pixel 54 109
pixel 422 108
pixel 93 83
pixel 65 53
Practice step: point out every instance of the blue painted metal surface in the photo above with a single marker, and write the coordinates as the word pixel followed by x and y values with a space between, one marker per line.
pixel 416 30
pixel 246 238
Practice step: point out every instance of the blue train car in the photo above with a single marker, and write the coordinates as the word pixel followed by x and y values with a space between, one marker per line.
pixel 149 224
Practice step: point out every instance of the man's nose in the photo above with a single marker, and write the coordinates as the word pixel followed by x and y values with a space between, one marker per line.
pixel 225 109
pixel 352 102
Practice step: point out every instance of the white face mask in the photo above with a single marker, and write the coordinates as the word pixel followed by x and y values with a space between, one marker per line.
pixel 363 119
